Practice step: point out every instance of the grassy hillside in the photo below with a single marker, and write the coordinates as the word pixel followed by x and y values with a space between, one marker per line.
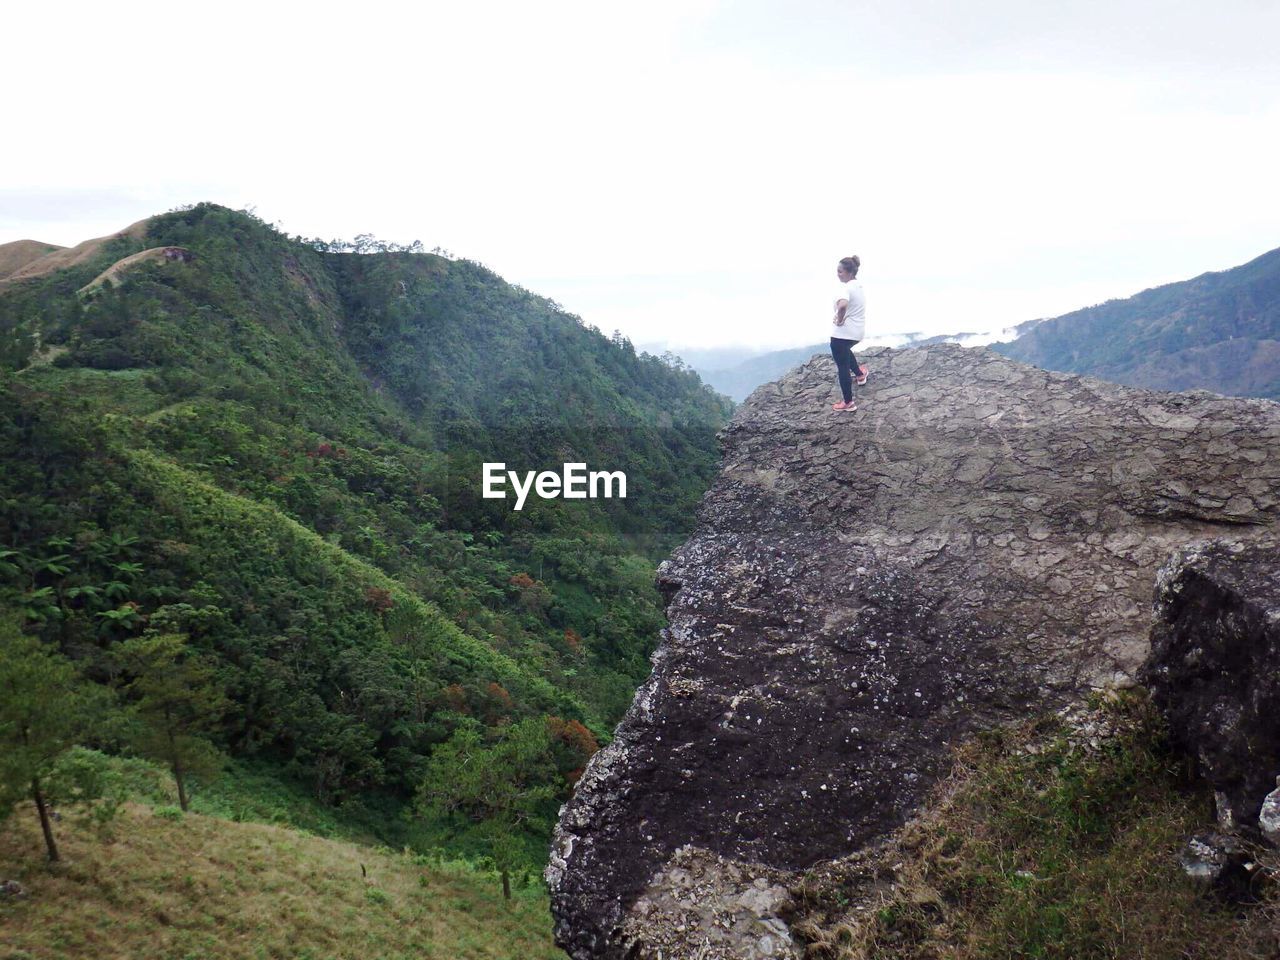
pixel 274 451
pixel 18 254
pixel 165 886
pixel 1219 332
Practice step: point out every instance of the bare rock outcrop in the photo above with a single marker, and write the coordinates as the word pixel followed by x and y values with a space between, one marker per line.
pixel 1214 670
pixel 862 590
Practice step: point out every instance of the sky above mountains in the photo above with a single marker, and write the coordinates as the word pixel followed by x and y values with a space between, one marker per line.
pixel 687 172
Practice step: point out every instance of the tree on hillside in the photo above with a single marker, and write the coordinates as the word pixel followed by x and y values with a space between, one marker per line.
pixel 502 786
pixel 177 701
pixel 45 708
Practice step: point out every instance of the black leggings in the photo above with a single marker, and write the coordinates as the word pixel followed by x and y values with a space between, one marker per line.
pixel 846 364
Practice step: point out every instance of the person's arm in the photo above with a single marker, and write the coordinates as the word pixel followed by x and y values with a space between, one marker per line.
pixel 841 307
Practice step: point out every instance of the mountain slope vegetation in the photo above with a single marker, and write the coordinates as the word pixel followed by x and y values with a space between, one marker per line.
pixel 274 450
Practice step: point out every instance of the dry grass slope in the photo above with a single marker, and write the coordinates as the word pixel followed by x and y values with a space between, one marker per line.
pixel 62 258
pixel 168 889
pixel 16 255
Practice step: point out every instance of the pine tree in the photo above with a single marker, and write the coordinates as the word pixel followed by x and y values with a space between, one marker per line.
pixel 177 700
pixel 45 708
pixel 503 786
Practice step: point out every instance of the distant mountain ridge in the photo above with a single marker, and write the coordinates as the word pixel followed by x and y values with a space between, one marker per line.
pixel 1218 331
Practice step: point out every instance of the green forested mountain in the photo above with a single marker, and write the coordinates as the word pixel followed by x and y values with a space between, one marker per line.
pixel 1219 332
pixel 272 447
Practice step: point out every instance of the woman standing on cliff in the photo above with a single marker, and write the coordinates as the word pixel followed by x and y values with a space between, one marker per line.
pixel 848 326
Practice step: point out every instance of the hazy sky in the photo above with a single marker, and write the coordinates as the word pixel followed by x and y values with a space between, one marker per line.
pixel 685 171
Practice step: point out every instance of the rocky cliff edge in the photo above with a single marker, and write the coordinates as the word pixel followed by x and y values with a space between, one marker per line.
pixel 977 542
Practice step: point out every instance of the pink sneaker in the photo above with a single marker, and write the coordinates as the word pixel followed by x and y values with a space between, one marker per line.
pixel 849 407
pixel 863 373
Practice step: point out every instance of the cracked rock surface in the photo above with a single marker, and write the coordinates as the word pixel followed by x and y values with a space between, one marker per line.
pixel 976 542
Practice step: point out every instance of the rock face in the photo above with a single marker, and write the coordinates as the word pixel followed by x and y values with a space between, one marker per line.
pixel 978 540
pixel 1215 647
pixel 1269 818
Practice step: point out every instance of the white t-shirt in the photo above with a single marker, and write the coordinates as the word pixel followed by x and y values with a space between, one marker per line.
pixel 855 315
